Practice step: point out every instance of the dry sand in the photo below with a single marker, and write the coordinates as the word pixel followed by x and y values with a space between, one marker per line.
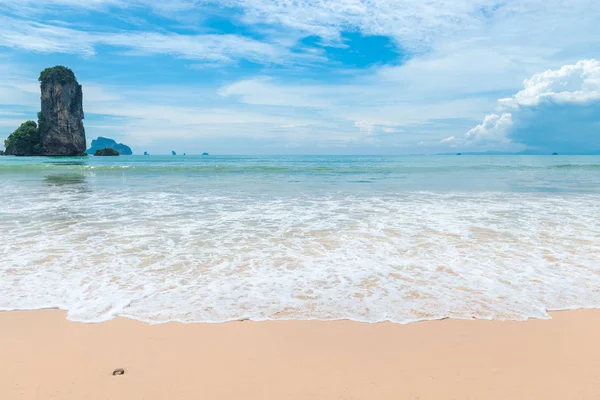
pixel 44 356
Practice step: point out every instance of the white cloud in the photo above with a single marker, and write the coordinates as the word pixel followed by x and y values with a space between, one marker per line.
pixel 494 128
pixel 222 49
pixel 43 38
pixel 265 91
pixel 40 4
pixel 368 127
pixel 419 25
pixel 412 21
pixel 464 54
pixel 374 105
pixel 556 108
pixel 415 24
pixel 210 47
pixel 575 83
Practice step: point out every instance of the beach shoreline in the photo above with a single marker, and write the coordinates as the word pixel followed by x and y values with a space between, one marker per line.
pixel 45 356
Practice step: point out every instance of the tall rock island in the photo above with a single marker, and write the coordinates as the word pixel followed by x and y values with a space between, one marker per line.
pixel 59 131
pixel 61 119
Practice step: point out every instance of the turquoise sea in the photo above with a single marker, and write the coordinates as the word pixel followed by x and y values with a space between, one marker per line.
pixel 369 238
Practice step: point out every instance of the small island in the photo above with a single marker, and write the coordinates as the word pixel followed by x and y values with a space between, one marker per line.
pixel 106 152
pixel 204 154
pixel 103 143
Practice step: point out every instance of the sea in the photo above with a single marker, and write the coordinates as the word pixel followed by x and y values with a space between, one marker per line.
pixel 364 238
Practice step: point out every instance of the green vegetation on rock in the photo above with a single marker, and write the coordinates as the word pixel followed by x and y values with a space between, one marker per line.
pixel 24 141
pixel 58 74
pixel 106 152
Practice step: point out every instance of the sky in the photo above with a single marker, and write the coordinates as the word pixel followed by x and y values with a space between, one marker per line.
pixel 315 76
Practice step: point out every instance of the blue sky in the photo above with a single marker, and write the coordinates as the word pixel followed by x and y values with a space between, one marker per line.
pixel 314 76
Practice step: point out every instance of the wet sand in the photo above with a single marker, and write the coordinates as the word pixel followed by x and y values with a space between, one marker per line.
pixel 44 356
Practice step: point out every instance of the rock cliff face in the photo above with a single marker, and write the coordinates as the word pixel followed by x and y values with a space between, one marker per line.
pixel 61 129
pixel 102 143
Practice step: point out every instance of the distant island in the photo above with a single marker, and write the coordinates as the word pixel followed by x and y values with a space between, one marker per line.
pixel 59 130
pixel 103 143
pixel 106 152
pixel 205 154
pixel 527 152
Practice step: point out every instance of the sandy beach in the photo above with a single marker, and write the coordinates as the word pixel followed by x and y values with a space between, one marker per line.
pixel 45 356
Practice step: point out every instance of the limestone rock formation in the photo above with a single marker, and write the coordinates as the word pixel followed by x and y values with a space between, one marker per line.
pixel 102 143
pixel 61 119
pixel 59 131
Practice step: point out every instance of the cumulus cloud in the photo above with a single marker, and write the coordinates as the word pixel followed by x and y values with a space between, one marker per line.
pixel 571 84
pixel 494 128
pixel 557 110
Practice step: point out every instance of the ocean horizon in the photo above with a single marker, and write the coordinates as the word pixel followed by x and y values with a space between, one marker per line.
pixel 365 238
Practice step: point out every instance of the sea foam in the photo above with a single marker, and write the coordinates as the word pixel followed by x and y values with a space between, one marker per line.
pixel 215 249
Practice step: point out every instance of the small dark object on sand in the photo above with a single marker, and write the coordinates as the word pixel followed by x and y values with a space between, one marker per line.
pixel 118 371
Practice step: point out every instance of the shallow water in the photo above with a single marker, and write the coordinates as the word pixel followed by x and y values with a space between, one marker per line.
pixel 365 238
